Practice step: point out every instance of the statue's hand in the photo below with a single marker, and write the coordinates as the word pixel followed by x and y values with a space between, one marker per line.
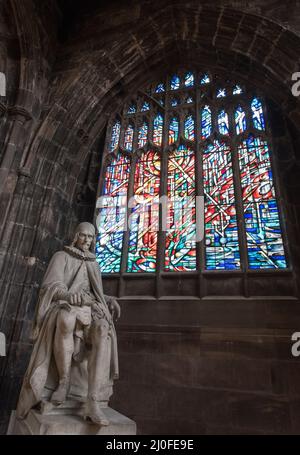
pixel 114 308
pixel 76 299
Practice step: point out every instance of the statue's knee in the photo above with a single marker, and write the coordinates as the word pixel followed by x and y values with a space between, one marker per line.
pixel 65 322
pixel 100 328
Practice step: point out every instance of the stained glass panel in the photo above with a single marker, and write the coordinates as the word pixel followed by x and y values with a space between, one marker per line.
pixel 257 114
pixel 240 120
pixel 189 100
pixel 173 130
pixel 180 254
pixel 144 216
pixel 160 88
pixel 221 92
pixel 205 79
pixel 175 82
pixel 131 109
pixel 206 125
pixel 189 128
pixel 112 216
pixel 158 129
pixel 189 79
pixel 128 138
pixel 223 122
pixel 115 136
pixel 237 90
pixel 174 102
pixel 263 232
pixel 145 107
pixel 221 231
pixel 143 135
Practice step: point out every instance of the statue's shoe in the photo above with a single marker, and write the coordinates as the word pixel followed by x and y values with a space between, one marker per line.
pixel 60 394
pixel 94 413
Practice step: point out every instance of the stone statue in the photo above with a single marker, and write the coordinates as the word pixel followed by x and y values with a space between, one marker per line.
pixel 75 351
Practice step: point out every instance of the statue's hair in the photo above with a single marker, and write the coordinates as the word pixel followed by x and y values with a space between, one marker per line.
pixel 77 232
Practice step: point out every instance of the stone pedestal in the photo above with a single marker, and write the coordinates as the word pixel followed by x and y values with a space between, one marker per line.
pixel 67 420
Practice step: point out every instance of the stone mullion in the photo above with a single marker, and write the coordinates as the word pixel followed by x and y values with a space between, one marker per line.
pixel 238 195
pixel 125 246
pixel 200 246
pixel 161 236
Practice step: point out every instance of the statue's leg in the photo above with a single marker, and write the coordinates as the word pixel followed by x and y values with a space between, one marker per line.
pixel 63 351
pixel 97 363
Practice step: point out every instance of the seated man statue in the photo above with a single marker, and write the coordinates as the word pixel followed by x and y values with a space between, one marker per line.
pixel 75 351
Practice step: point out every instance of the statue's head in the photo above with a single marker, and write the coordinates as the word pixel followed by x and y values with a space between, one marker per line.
pixel 85 237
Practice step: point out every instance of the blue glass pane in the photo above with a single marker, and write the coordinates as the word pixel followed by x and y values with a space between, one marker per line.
pixel 189 80
pixel 237 90
pixel 205 79
pixel 175 83
pixel 221 92
pixel 115 136
pixel 160 88
pixel 206 125
pixel 173 130
pixel 240 120
pixel 257 114
pixel 223 123
pixel 145 107
pixel 131 109
pixel 143 135
pixel 189 128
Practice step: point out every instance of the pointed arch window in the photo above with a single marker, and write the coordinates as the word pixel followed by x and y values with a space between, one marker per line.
pixel 128 138
pixel 217 146
pixel 173 130
pixel 143 135
pixel 158 129
pixel 240 120
pixel 257 114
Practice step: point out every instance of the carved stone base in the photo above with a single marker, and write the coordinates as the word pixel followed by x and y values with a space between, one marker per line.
pixel 66 420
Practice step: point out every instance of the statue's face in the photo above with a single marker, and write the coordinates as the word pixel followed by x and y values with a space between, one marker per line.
pixel 84 240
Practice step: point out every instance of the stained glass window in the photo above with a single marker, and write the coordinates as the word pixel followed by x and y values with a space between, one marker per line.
pixel 257 114
pixel 115 136
pixel 223 122
pixel 242 227
pixel 206 125
pixel 264 239
pixel 205 79
pixel 145 107
pixel 175 82
pixel 189 80
pixel 128 138
pixel 131 109
pixel 221 232
pixel 221 92
pixel 142 247
pixel 112 215
pixel 189 128
pixel 158 129
pixel 173 130
pixel 180 253
pixel 237 90
pixel 143 135
pixel 240 120
pixel 160 88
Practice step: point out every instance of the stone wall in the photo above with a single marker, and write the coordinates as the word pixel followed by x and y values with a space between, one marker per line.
pixel 68 66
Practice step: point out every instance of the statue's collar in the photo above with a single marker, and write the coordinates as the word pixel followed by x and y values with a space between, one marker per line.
pixel 77 253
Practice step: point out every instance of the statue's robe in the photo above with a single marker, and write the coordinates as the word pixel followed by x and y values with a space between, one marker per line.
pixel 41 377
